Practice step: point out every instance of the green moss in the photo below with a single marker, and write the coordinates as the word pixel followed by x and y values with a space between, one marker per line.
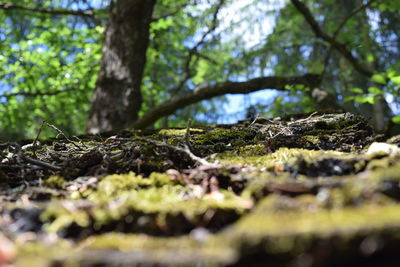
pixel 252 150
pixel 114 184
pixel 312 139
pixel 221 135
pixel 161 248
pixel 119 195
pixel 55 181
pixel 383 172
pixel 286 204
pixel 40 254
pixel 379 163
pixel 248 156
pixel 174 136
pixel 394 140
pixel 176 251
pixel 178 132
pixel 306 218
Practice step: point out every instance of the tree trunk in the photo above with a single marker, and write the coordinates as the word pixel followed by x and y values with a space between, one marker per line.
pixel 117 98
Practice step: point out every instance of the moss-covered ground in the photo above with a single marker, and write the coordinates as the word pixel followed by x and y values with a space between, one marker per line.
pixel 313 190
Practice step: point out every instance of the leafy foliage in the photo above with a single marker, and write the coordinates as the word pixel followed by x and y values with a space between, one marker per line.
pixel 50 68
pixel 50 62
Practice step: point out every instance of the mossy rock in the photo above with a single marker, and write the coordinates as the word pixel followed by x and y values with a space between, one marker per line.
pixel 310 191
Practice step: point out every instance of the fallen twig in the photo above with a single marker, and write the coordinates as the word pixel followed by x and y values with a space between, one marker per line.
pixel 255 119
pixel 185 150
pixel 23 157
pixel 40 163
pixel 62 134
pixel 187 136
pixel 305 119
pixel 37 137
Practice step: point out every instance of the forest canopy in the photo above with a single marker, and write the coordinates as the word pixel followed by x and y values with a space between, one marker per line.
pixel 77 64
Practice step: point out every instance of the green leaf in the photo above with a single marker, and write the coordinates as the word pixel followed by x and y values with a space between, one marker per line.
pixel 299 87
pixel 370 99
pixel 382 7
pixel 375 90
pixel 278 100
pixel 348 98
pixel 395 80
pixel 356 90
pixel 379 78
pixel 370 57
pixel 365 99
pixel 396 119
pixel 392 72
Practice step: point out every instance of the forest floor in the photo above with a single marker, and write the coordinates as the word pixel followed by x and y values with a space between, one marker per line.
pixel 307 190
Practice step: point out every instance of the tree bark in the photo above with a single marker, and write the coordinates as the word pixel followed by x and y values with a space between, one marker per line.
pixel 117 98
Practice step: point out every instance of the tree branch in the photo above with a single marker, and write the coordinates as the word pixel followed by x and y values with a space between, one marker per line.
pixel 340 47
pixel 187 72
pixel 29 94
pixel 56 12
pixel 171 13
pixel 166 15
pixel 340 27
pixel 349 16
pixel 207 92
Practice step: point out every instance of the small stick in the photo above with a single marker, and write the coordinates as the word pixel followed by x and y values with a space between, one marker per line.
pixel 62 134
pixel 176 148
pixel 301 120
pixel 37 162
pixel 255 119
pixel 37 137
pixel 187 135
pixel 40 163
pixel 80 141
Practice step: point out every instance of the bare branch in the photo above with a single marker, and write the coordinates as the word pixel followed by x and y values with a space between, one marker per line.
pixel 185 150
pixel 34 145
pixel 56 12
pixel 349 16
pixel 169 14
pixel 166 15
pixel 200 55
pixel 40 163
pixel 63 135
pixel 212 27
pixel 207 92
pixel 172 13
pixel 25 158
pixel 187 73
pixel 30 94
pixel 340 27
pixel 340 47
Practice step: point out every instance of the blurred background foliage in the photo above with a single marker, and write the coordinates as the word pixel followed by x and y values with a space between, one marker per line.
pixel 49 63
